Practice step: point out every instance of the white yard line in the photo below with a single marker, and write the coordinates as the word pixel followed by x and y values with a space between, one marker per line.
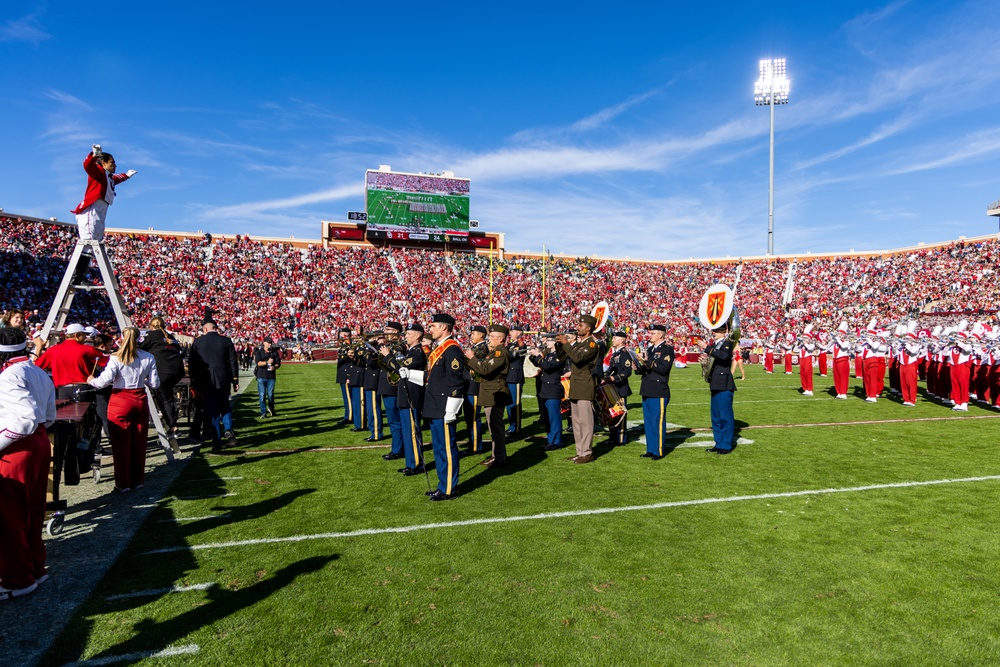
pixel 558 515
pixel 154 592
pixel 170 652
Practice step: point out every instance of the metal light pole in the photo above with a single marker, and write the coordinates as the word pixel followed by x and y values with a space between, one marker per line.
pixel 771 88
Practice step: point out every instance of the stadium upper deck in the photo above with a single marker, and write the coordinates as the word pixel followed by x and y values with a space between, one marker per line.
pixel 266 286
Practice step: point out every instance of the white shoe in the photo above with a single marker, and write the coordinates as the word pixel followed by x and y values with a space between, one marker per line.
pixel 961 407
pixel 842 397
pixel 807 393
pixel 907 404
pixel 8 593
pixel 788 372
pixel 871 400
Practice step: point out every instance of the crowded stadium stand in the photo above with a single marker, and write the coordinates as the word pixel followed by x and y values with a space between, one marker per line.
pixel 303 291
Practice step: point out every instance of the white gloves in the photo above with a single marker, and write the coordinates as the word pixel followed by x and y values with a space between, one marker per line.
pixel 404 373
pixel 96 150
pixel 130 173
pixel 451 408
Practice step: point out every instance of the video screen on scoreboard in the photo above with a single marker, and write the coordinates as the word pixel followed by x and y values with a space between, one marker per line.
pixel 416 206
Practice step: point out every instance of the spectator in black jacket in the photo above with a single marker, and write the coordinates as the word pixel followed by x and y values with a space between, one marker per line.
pixel 214 370
pixel 169 366
pixel 266 360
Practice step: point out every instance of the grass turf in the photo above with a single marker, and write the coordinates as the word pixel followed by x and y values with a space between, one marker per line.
pixel 888 576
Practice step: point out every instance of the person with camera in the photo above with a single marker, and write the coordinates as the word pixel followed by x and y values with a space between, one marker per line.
pixel 266 361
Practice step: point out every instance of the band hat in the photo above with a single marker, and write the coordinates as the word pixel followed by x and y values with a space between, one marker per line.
pixel 588 319
pixel 500 328
pixel 520 327
pixel 416 326
pixel 443 318
pixel 480 328
pixel 74 329
pixel 395 326
pixel 620 334
pixel 658 327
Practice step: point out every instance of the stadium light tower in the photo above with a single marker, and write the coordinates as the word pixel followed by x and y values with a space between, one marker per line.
pixel 771 88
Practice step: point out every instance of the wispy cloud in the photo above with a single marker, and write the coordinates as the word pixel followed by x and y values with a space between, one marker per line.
pixel 973 147
pixel 26 29
pixel 604 115
pixel 250 209
pixel 883 132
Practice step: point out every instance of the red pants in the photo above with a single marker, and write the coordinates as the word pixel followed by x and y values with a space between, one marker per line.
pixel 908 382
pixel 842 374
pixel 128 431
pixel 822 364
pixel 769 362
pixel 960 383
pixel 874 376
pixel 859 367
pixel 806 372
pixel 24 472
pixel 788 363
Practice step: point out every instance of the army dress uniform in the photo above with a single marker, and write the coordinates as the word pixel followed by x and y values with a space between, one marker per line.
pixel 494 394
pixel 550 395
pixel 355 389
pixel 516 352
pixel 617 371
pixel 387 392
pixel 409 400
pixel 582 356
pixel 343 367
pixel 443 398
pixel 655 392
pixel 471 409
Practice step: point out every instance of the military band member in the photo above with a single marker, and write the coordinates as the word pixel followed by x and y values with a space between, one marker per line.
pixel 909 357
pixel 355 388
pixel 874 364
pixel 806 346
pixel 387 390
pixel 373 407
pixel 343 368
pixel 787 345
pixel 473 422
pixel 959 360
pixel 516 351
pixel 410 398
pixel 582 356
pixel 443 398
pixel 654 367
pixel 842 346
pixel 722 386
pixel 494 394
pixel 617 369
pixel 550 389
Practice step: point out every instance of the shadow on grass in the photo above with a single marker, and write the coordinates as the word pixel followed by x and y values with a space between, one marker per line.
pixel 524 457
pixel 151 635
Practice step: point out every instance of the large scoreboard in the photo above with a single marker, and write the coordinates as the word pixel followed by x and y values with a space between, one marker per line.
pixel 417 207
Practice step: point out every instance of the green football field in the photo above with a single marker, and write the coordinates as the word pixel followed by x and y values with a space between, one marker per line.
pixel 417 211
pixel 837 533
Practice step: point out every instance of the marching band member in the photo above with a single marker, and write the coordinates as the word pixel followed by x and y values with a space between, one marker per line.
pixel 494 392
pixel 373 407
pixel 769 344
pixel 722 387
pixel 654 367
pixel 787 346
pixel 874 365
pixel 473 422
pixel 930 357
pixel 410 398
pixel 959 356
pixel 583 357
pixel 343 370
pixel 27 408
pixel 617 368
pixel 806 346
pixel 680 360
pixel 355 389
pixel 550 391
pixel 994 374
pixel 823 347
pixel 388 391
pixel 943 358
pixel 842 347
pixel 443 399
pixel 909 357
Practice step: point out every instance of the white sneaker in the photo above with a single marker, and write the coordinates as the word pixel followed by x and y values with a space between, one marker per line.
pixel 842 397
pixel 871 400
pixel 907 404
pixel 807 393
pixel 961 407
pixel 8 593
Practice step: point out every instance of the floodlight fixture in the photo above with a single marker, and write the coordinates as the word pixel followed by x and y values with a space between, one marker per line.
pixel 771 88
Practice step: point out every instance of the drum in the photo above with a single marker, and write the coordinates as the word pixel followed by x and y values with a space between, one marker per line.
pixel 564 405
pixel 609 405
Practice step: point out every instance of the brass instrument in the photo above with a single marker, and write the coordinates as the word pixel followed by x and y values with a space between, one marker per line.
pixel 397 350
pixel 718 309
pixel 480 350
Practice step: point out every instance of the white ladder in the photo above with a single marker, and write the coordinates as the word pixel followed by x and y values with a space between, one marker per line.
pixel 56 319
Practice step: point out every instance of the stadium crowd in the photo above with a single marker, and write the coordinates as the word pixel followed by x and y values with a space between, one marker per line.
pixel 276 289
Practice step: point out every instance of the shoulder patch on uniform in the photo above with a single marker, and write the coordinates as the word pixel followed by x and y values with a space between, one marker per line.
pixel 426 349
pixel 593 344
pixel 628 364
pixel 456 365
pixel 498 353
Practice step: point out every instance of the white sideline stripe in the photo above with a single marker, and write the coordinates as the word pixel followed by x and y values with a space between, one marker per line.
pixel 559 515
pixel 161 591
pixel 135 657
pixel 178 519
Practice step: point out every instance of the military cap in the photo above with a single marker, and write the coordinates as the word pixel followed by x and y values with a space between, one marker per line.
pixel 416 326
pixel 516 327
pixel 501 328
pixel 443 318
pixel 394 325
pixel 658 327
pixel 620 333
pixel 589 319
pixel 480 328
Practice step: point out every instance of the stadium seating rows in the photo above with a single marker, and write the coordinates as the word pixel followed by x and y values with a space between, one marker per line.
pixel 272 288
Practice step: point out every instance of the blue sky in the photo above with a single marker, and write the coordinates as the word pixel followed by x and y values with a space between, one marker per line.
pixel 627 131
